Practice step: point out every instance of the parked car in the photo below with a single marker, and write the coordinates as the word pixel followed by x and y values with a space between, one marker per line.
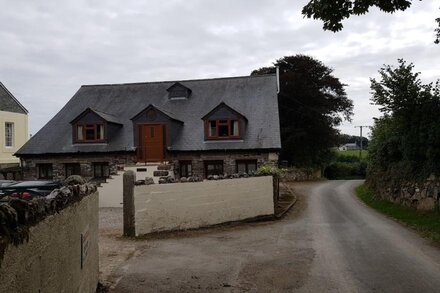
pixel 28 189
pixel 4 183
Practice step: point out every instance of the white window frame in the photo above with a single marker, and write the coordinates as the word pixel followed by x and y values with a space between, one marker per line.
pixel 9 141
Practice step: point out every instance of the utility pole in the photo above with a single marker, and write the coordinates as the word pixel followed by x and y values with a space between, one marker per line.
pixel 362 141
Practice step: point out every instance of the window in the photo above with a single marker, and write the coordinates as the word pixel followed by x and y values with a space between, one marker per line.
pixel 90 133
pixel 213 168
pixel 246 166
pixel 9 134
pixel 73 169
pixel 185 168
pixel 101 170
pixel 221 129
pixel 45 171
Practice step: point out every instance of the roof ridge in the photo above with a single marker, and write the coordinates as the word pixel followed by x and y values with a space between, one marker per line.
pixel 182 80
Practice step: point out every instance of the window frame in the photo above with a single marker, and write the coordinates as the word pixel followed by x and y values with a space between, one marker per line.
pixel 48 173
pixel 218 123
pixel 11 138
pixel 214 162
pixel 101 165
pixel 88 126
pixel 74 165
pixel 247 162
pixel 183 172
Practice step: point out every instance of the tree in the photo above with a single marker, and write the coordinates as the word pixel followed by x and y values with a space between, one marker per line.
pixel 332 12
pixel 312 102
pixel 405 143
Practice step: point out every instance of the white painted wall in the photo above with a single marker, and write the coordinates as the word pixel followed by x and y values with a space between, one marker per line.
pixel 182 206
pixel 110 193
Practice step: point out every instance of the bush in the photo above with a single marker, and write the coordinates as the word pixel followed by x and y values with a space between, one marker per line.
pixel 346 167
pixel 269 169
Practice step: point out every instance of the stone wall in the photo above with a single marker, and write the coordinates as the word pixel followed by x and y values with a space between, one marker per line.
pixel 421 196
pixel 300 174
pixel 86 161
pixel 179 206
pixel 229 159
pixel 118 160
pixel 58 253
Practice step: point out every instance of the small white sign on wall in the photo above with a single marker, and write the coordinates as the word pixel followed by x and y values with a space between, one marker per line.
pixel 85 245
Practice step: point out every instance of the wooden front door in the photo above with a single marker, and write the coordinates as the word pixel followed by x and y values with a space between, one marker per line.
pixel 152 143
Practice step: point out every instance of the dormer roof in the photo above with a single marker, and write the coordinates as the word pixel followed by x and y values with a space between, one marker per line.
pixel 178 91
pixel 169 115
pixel 223 105
pixel 105 116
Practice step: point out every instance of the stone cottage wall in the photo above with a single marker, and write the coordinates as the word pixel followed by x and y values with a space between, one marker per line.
pixel 86 161
pixel 229 159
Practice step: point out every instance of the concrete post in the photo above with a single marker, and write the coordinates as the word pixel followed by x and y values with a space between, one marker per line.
pixel 129 179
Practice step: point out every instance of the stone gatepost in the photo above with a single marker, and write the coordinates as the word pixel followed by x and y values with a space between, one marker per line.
pixel 129 179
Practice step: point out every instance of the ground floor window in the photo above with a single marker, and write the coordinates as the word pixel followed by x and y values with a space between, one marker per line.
pixel 101 170
pixel 45 171
pixel 245 166
pixel 185 168
pixel 73 169
pixel 213 168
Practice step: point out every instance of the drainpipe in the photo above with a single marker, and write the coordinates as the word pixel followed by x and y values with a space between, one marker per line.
pixel 278 78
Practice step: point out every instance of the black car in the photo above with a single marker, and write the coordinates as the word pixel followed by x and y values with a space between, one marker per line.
pixel 28 189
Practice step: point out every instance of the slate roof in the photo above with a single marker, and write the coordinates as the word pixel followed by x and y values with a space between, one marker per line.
pixel 107 117
pixel 9 103
pixel 255 97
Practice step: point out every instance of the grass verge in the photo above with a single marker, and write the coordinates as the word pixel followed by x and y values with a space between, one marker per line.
pixel 426 223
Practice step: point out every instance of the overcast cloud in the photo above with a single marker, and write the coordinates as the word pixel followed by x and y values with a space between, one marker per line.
pixel 50 48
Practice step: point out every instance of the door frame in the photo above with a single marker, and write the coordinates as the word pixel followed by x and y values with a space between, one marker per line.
pixel 139 128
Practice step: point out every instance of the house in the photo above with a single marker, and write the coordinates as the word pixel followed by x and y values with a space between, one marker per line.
pixel 201 127
pixel 349 146
pixel 13 130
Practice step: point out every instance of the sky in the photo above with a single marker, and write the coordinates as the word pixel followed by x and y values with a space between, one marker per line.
pixel 50 48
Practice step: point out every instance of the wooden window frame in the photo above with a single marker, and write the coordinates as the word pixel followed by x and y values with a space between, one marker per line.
pixel 229 123
pixel 45 165
pixel 185 163
pixel 247 162
pixel 214 162
pixel 101 165
pixel 9 137
pixel 88 126
pixel 74 165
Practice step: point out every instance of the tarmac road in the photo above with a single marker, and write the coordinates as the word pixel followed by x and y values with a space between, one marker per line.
pixel 329 242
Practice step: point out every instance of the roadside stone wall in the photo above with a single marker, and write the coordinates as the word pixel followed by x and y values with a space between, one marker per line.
pixel 51 245
pixel 300 174
pixel 421 196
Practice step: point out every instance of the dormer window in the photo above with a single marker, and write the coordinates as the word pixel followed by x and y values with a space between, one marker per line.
pixel 90 133
pixel 223 122
pixel 92 126
pixel 178 92
pixel 218 129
